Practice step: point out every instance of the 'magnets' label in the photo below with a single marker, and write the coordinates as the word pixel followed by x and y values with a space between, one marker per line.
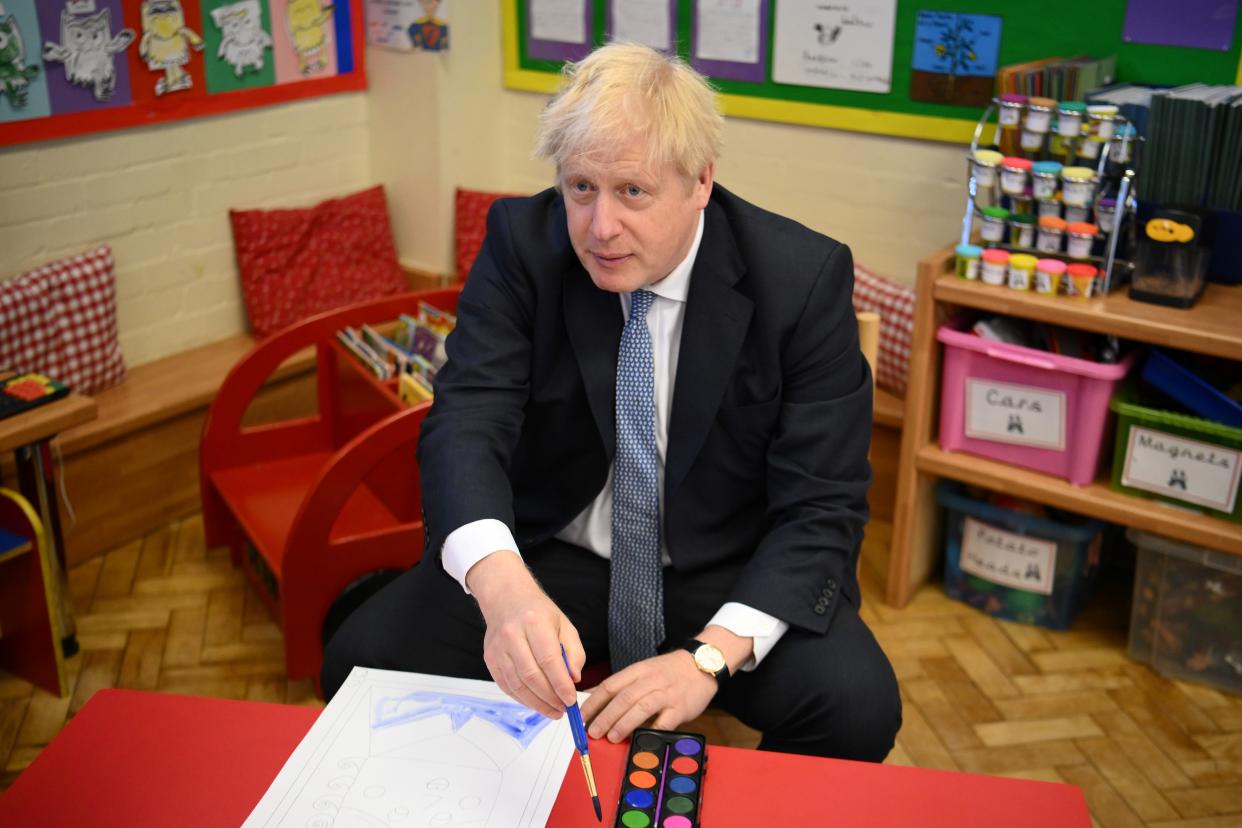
pixel 1020 414
pixel 1189 470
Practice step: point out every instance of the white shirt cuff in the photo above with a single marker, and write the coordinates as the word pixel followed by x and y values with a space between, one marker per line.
pixel 749 622
pixel 467 545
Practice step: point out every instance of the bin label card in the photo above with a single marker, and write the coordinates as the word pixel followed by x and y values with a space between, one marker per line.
pixel 1021 414
pixel 1184 469
pixel 1007 558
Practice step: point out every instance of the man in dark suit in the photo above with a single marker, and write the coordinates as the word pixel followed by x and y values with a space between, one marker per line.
pixel 648 445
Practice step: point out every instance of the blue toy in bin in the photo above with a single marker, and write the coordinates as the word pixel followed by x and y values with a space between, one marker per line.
pixel 1017 566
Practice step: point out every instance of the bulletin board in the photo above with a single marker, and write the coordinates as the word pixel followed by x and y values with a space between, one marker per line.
pixel 1029 31
pixel 84 66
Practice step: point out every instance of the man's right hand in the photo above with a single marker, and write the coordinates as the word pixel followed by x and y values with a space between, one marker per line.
pixel 525 630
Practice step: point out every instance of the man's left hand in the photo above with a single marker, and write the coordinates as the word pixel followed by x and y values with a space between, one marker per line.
pixel 669 687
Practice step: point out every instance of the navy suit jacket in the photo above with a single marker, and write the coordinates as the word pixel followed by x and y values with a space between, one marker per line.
pixel 766 469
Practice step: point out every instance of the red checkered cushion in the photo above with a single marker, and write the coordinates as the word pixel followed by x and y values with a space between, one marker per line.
pixel 894 303
pixel 470 225
pixel 296 263
pixel 60 320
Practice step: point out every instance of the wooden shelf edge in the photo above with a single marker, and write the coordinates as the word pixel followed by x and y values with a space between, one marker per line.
pixel 1210 327
pixel 1096 500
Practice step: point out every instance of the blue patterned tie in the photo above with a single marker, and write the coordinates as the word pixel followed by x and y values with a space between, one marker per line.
pixel 636 592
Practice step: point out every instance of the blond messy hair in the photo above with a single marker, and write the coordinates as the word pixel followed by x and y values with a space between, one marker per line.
pixel 622 90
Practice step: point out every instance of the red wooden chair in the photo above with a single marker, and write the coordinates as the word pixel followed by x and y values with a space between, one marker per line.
pixel 308 506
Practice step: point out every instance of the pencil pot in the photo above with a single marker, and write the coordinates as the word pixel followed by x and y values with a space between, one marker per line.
pixel 1023 406
pixel 1016 565
pixel 1186 616
pixel 1176 458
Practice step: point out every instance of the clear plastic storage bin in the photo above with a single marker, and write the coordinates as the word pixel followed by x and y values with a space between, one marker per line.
pixel 1186 617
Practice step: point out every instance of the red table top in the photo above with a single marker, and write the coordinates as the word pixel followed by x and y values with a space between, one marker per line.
pixel 135 758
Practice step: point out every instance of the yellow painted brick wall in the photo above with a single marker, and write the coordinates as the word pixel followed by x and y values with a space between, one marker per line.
pixel 160 196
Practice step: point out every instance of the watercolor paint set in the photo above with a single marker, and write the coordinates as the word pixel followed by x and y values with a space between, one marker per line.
pixel 663 782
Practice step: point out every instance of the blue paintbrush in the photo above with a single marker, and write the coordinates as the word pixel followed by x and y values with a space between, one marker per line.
pixel 580 742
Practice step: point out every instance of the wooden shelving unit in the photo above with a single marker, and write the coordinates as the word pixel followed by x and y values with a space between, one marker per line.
pixel 1213 326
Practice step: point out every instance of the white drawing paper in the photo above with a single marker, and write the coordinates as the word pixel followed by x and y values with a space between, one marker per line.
pixel 563 21
pixel 414 750
pixel 837 45
pixel 728 30
pixel 642 21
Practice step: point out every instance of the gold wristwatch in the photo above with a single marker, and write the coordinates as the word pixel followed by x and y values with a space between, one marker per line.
pixel 709 659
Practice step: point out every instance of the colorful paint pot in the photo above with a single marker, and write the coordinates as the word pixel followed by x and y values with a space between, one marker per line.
pixel 1051 233
pixel 992 226
pixel 1011 107
pixel 1077 186
pixel 1049 207
pixel 968 261
pixel 1048 276
pixel 1014 174
pixel 1081 236
pixel 1074 215
pixel 1045 177
pixel 1081 277
pixel 1039 115
pixel 1022 271
pixel 1022 230
pixel 1102 118
pixel 986 162
pixel 995 266
pixel 1069 118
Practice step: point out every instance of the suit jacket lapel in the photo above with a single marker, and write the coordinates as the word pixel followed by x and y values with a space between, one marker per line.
pixel 593 319
pixel 717 318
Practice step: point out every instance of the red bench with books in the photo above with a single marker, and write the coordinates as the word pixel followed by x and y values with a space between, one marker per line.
pixel 311 507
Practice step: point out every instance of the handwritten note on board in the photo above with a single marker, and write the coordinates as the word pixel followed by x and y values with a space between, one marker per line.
pixel 406 749
pixel 840 45
pixel 649 22
pixel 728 30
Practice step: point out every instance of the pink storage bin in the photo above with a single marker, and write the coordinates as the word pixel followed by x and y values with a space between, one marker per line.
pixel 1030 408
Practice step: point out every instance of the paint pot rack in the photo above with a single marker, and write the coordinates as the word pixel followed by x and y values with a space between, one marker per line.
pixel 1115 270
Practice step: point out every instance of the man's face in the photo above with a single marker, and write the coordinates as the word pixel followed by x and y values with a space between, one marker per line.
pixel 630 224
pixel 430 7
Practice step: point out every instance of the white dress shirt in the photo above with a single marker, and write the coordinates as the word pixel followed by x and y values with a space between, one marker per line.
pixel 592 529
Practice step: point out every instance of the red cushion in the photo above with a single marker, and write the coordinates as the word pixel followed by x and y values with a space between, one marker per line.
pixel 296 263
pixel 60 320
pixel 894 303
pixel 470 225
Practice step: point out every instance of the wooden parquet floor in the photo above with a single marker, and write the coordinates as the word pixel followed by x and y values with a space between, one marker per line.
pixel 985 696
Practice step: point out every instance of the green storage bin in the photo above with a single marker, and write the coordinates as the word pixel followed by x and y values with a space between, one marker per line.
pixel 1191 462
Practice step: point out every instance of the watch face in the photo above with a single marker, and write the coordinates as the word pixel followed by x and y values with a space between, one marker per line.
pixel 709 658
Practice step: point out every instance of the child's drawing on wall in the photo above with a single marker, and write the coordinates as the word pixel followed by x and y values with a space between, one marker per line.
pixel 166 43
pixel 429 32
pixel 87 47
pixel 15 75
pixel 306 31
pixel 244 41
